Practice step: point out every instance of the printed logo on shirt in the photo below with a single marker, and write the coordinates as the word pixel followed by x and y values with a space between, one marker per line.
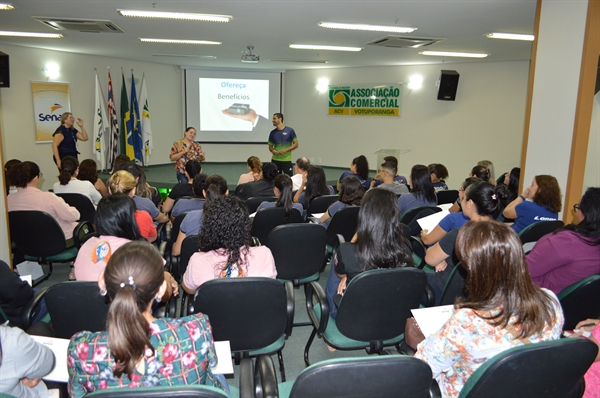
pixel 101 252
pixel 538 218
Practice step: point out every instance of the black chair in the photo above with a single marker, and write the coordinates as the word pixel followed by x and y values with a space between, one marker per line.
pixel 532 233
pixel 405 231
pixel 372 313
pixel 418 251
pixel 550 369
pixel 410 214
pixel 320 204
pixel 299 252
pixel 189 246
pixel 82 203
pixel 38 236
pixel 189 391
pixel 455 287
pixel 166 247
pixel 344 222
pixel 386 376
pixel 447 196
pixel 255 201
pixel 254 314
pixel 413 225
pixel 580 301
pixel 267 219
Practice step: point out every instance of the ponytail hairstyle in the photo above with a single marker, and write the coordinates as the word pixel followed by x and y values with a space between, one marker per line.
pixel 7 167
pixel 283 182
pixel 68 167
pixel 481 172
pixel 351 191
pixel 254 164
pixel 214 186
pixel 121 182
pixel 489 200
pixel 198 184
pixel 269 171
pixel 440 171
pixel 362 166
pixel 422 187
pixel 133 276
pixel 21 174
pixel 490 167
pixel 193 168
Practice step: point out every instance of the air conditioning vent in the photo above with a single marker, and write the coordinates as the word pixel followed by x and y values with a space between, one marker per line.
pixel 402 42
pixel 80 25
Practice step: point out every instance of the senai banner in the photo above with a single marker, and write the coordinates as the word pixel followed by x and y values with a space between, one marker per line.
pixel 365 100
pixel 50 100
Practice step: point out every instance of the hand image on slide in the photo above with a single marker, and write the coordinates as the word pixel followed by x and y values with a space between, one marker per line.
pixel 251 116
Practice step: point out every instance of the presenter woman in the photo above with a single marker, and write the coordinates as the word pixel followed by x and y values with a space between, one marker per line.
pixel 64 139
pixel 184 150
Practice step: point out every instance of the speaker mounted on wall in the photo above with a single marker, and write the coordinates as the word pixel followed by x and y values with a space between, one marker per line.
pixel 4 70
pixel 448 85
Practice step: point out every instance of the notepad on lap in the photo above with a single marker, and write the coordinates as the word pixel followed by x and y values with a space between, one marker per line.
pixel 224 361
pixel 431 319
pixel 432 220
pixel 59 347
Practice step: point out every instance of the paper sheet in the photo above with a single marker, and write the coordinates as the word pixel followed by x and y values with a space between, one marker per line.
pixel 225 363
pixel 26 278
pixel 445 206
pixel 317 215
pixel 59 348
pixel 431 319
pixel 432 220
pixel 30 268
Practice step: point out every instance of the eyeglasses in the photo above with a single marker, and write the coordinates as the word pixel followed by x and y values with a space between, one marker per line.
pixel 576 207
pixel 40 175
pixel 461 189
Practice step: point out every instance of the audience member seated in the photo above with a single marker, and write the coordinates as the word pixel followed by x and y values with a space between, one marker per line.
pixel 300 169
pixel 116 225
pixel 422 194
pixel 118 161
pixel 397 178
pixel 192 223
pixel 123 182
pixel 439 173
pixel 451 221
pixel 572 253
pixel 143 189
pixel 9 188
pixel 378 243
pixel 314 184
pixel 490 168
pixel 483 202
pixel 88 171
pixel 544 204
pixel 282 188
pixel 504 308
pixel 192 169
pixel 385 175
pixel 26 177
pixel 14 296
pixel 68 182
pixel 254 168
pixel 224 244
pixel 511 180
pixel 24 363
pixel 351 194
pixel 359 168
pixel 185 205
pixel 138 350
pixel 592 376
pixel 482 173
pixel 262 187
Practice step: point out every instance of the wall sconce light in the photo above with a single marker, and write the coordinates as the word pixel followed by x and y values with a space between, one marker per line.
pixel 52 70
pixel 322 85
pixel 415 82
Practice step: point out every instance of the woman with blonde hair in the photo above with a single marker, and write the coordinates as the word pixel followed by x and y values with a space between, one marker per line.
pixel 254 168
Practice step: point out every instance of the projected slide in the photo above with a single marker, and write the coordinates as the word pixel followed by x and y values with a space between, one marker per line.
pixel 232 104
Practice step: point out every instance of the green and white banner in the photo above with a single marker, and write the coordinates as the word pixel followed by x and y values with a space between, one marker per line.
pixel 365 100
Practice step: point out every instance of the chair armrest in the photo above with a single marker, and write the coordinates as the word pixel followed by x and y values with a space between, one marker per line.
pixel 171 310
pixel 168 229
pixel 291 302
pixel 247 378
pixel 419 248
pixel 341 239
pixel 82 233
pixel 434 390
pixel 314 289
pixel 189 308
pixel 28 313
pixel 430 295
pixel 265 378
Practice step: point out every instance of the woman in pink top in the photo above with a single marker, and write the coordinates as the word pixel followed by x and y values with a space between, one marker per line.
pixel 592 376
pixel 26 177
pixel 254 168
pixel 224 244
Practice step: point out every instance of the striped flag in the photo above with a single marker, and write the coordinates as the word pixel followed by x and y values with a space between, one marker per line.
pixel 145 121
pixel 136 128
pixel 100 126
pixel 113 142
pixel 127 137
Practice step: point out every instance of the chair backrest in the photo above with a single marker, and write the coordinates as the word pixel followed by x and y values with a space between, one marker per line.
pixel 76 306
pixel 410 214
pixel 269 218
pixel 255 201
pixel 413 225
pixel 320 204
pixel 547 369
pixel 377 303
pixel 344 222
pixel 379 376
pixel 533 232
pixel 447 196
pixel 250 312
pixel 455 286
pixel 189 246
pixel 36 233
pixel 418 251
pixel 405 230
pixel 189 391
pixel 176 225
pixel 298 249
pixel 580 301
pixel 82 203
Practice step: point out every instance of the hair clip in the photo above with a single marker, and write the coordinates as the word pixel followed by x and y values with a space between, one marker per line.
pixel 129 282
pixel 494 196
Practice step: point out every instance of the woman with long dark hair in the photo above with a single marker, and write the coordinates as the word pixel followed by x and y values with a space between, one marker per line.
pixel 422 192
pixel 351 194
pixel 282 188
pixel 192 169
pixel 224 245
pixel 511 180
pixel 359 168
pixel 69 183
pixel 503 309
pixel 378 243
pixel 572 253
pixel 544 204
pixel 314 184
pixel 88 171
pixel 138 350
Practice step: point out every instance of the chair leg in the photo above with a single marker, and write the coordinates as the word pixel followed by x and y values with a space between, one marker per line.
pixel 281 365
pixel 43 278
pixel 308 344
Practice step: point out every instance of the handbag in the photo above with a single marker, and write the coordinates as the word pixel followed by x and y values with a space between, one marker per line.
pixel 412 333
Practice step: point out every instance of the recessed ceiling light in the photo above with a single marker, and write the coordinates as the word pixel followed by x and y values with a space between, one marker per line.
pixel 184 56
pixel 175 15
pixel 31 34
pixel 373 28
pixel 308 61
pixel 453 54
pixel 510 36
pixel 331 48
pixel 6 7
pixel 173 41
